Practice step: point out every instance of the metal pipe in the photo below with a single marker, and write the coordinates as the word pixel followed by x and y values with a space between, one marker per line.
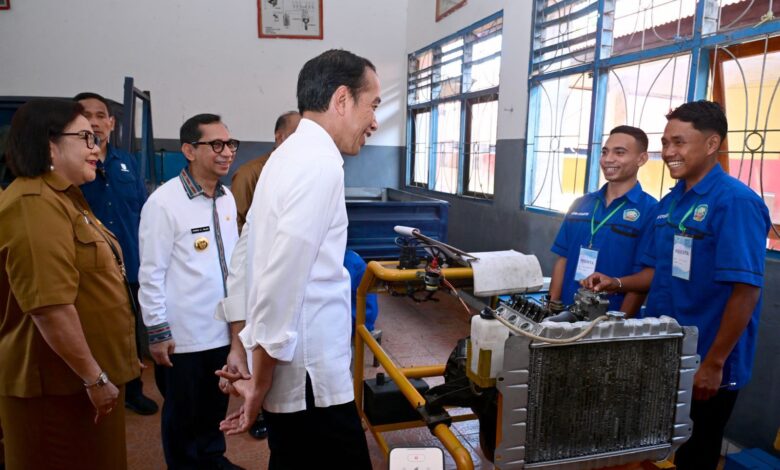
pixel 385 272
pixel 423 371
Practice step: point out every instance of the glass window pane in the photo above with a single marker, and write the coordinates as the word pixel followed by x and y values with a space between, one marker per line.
pixel 449 88
pixel 420 77
pixel 448 147
pixel 752 106
pixel 565 35
pixel 486 47
pixel 641 95
pixel 734 14
pixel 485 74
pixel 645 24
pixel 482 147
pixel 558 157
pixel 451 69
pixel 422 132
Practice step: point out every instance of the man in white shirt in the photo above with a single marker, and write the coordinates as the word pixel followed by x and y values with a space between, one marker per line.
pixel 298 291
pixel 187 233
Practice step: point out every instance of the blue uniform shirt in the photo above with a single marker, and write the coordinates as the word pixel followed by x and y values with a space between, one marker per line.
pixel 116 197
pixel 620 241
pixel 728 225
pixel 356 268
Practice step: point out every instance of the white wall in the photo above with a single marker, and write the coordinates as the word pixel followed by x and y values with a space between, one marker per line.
pixel 194 56
pixel 423 30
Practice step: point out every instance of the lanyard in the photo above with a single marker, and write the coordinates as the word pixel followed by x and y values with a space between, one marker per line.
pixel 680 225
pixel 593 218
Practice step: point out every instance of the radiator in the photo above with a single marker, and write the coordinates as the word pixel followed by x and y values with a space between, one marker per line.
pixel 621 394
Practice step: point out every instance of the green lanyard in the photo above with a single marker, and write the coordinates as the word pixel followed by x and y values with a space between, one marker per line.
pixel 593 218
pixel 685 217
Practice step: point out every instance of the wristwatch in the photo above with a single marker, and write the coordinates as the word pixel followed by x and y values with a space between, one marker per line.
pixel 102 379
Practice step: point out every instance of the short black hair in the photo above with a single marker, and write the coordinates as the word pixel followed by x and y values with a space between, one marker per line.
pixel 87 95
pixel 190 130
pixel 282 120
pixel 703 115
pixel 34 125
pixel 635 132
pixel 321 76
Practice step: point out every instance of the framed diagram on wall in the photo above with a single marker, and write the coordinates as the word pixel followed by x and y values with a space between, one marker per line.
pixel 291 19
pixel 446 7
pixel 5 4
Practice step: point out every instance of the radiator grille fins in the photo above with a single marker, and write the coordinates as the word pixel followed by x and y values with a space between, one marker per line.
pixel 601 397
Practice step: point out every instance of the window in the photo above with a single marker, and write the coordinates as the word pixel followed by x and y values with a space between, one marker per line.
pixel 453 111
pixel 596 65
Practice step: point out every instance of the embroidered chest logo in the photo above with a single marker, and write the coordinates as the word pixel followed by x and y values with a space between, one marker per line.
pixel 700 213
pixel 631 215
pixel 123 167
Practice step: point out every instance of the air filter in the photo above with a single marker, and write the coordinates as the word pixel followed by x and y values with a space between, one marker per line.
pixel 621 394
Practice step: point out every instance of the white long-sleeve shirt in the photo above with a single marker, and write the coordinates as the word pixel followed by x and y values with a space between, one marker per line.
pixel 181 277
pixel 298 298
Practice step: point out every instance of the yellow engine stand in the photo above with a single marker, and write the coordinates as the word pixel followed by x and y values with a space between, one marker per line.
pixel 386 271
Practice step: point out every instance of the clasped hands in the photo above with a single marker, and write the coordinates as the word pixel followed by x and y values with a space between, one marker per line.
pixel 235 379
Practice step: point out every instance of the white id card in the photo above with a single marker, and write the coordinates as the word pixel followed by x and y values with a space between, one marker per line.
pixel 681 257
pixel 586 265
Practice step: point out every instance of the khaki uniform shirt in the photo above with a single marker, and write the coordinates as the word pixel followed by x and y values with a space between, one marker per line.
pixel 244 183
pixel 53 251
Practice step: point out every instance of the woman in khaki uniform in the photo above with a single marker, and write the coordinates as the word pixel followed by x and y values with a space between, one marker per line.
pixel 66 327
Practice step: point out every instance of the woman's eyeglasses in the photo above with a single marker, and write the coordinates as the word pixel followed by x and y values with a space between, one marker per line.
pixel 91 139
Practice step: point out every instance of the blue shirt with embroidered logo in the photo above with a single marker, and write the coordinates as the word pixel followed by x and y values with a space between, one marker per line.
pixel 116 196
pixel 620 242
pixel 728 224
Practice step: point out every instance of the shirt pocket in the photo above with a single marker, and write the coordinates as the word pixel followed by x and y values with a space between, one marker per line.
pixel 127 186
pixel 625 230
pixel 92 252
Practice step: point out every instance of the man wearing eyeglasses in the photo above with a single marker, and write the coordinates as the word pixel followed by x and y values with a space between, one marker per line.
pixel 187 234
pixel 116 196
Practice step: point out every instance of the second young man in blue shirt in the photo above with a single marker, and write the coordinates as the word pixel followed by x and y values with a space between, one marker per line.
pixel 606 230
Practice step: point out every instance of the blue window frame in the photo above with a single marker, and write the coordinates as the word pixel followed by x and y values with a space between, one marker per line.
pixel 596 64
pixel 452 111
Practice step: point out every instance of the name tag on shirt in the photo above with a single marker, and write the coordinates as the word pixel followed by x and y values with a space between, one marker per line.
pixel 200 229
pixel 681 257
pixel 586 264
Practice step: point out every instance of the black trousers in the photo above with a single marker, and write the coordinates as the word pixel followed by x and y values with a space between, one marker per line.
pixel 331 437
pixel 192 409
pixel 702 451
pixel 135 387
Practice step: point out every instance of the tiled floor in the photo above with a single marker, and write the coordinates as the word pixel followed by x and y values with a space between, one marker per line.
pixel 414 334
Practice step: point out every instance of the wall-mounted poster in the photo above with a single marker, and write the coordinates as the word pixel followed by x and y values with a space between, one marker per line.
pixel 445 7
pixel 293 19
pixel 5 4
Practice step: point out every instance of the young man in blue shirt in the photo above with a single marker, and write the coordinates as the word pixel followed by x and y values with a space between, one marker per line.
pixel 116 197
pixel 605 230
pixel 706 264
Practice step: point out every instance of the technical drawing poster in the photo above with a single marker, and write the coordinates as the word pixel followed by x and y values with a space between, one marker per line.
pixel 301 19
